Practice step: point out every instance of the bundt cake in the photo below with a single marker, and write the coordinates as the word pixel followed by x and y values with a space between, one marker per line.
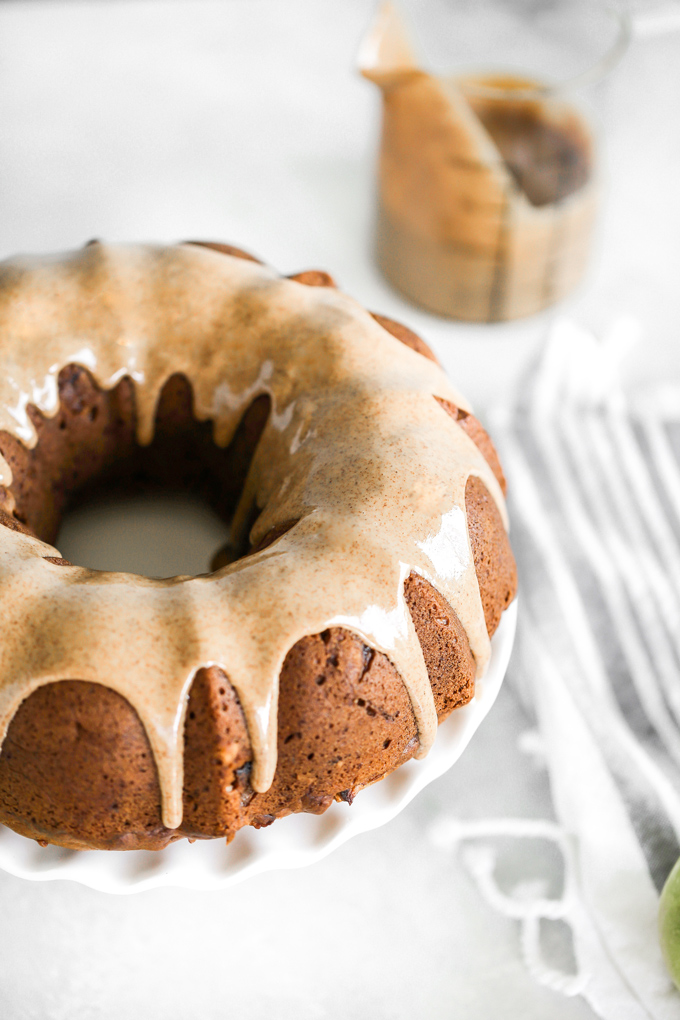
pixel 352 609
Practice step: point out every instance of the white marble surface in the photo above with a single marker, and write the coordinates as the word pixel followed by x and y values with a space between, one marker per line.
pixel 242 120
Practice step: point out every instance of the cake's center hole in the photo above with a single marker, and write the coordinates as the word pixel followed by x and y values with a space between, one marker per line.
pixel 157 535
pixel 159 510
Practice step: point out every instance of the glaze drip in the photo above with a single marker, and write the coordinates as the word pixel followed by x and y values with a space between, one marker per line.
pixel 356 450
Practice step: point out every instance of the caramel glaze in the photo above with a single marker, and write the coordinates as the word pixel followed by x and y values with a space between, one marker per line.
pixel 359 474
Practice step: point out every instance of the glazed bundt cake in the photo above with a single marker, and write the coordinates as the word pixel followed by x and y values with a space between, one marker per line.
pixel 367 568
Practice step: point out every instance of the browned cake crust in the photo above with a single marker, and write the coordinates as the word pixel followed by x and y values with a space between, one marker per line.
pixel 406 335
pixel 314 278
pixel 76 768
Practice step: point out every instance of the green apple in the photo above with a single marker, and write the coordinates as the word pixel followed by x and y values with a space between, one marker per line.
pixel 669 922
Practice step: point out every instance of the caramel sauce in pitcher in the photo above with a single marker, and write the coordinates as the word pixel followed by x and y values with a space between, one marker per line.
pixel 486 187
pixel 549 157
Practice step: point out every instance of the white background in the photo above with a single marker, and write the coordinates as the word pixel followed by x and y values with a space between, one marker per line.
pixel 243 120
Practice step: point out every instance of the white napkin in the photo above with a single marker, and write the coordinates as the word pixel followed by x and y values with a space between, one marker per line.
pixel 594 481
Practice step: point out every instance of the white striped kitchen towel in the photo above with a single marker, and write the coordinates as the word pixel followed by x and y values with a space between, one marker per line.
pixel 594 481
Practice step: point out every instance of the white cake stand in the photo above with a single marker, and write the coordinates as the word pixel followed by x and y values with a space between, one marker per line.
pixel 291 842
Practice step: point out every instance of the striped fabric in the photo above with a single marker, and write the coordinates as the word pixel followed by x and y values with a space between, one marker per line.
pixel 594 481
